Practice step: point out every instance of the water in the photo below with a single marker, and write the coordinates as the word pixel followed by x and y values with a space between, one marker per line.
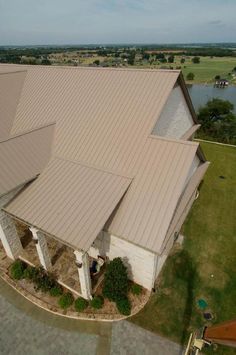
pixel 200 94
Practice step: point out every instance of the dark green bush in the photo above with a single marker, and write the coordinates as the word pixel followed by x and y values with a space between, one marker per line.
pixel 56 291
pixel 136 289
pixel 116 281
pixel 30 273
pixel 17 270
pixel 124 307
pixel 66 300
pixel 81 304
pixel 44 281
pixel 97 302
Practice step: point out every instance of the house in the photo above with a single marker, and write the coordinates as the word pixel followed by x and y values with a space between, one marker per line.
pixel 221 83
pixel 95 162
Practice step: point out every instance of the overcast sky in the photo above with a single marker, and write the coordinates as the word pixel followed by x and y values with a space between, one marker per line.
pixel 116 21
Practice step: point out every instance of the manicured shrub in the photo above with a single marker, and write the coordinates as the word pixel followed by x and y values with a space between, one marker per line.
pixel 17 270
pixel 116 281
pixel 56 291
pixel 66 300
pixel 124 307
pixel 81 304
pixel 136 289
pixel 30 273
pixel 97 302
pixel 44 281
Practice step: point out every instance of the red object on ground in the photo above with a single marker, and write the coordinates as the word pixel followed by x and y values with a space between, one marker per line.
pixel 224 333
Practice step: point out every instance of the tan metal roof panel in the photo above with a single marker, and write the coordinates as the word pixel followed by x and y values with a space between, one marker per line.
pixel 70 201
pixel 147 208
pixel 102 116
pixel 10 89
pixel 23 157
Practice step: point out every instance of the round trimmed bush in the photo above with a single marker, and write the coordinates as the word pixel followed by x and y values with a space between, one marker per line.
pixel 123 305
pixel 97 302
pixel 66 300
pixel 56 291
pixel 17 270
pixel 136 289
pixel 81 304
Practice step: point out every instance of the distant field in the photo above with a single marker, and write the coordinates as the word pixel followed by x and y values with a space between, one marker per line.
pixel 205 71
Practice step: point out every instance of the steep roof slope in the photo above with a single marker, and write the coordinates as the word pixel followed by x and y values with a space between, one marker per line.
pixel 23 157
pixel 70 201
pixel 10 89
pixel 104 118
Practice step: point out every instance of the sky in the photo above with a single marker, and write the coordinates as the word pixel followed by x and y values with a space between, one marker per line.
pixel 38 22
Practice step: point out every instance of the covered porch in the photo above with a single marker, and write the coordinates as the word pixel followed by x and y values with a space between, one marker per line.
pixel 73 269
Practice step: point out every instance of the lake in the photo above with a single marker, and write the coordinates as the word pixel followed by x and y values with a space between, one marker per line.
pixel 200 94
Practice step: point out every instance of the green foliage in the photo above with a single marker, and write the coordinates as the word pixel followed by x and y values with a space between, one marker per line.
pixel 81 304
pixel 218 121
pixel 123 305
pixel 136 289
pixel 182 61
pixel 217 77
pixel 44 281
pixel 17 270
pixel 196 60
pixel 171 59
pixel 116 281
pixel 97 62
pixel 56 291
pixel 66 300
pixel 97 302
pixel 190 76
pixel 30 273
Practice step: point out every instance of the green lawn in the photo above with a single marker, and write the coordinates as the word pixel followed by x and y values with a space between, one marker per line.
pixel 206 265
pixel 205 71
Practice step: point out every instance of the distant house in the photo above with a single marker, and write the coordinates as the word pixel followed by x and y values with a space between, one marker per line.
pixel 95 163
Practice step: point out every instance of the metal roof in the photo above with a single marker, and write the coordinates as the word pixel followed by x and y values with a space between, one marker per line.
pixel 104 118
pixel 70 201
pixel 23 157
pixel 10 89
pixel 148 206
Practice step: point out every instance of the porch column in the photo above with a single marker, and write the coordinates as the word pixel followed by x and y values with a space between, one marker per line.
pixel 42 248
pixel 9 237
pixel 82 262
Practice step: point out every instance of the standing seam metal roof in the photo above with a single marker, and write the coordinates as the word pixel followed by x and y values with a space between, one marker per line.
pixel 103 123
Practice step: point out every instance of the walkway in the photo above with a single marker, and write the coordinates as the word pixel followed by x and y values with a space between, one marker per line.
pixel 26 329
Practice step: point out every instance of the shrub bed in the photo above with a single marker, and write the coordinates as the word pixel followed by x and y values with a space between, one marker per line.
pixel 123 305
pixel 81 304
pixel 97 302
pixel 17 270
pixel 66 300
pixel 136 289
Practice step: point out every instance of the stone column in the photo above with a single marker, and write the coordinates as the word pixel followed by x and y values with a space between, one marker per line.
pixel 82 262
pixel 42 248
pixel 9 237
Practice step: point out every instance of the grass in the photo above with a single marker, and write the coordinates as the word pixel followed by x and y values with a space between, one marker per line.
pixel 209 249
pixel 205 71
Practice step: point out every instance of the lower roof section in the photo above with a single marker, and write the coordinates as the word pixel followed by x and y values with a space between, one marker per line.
pixel 70 201
pixel 23 157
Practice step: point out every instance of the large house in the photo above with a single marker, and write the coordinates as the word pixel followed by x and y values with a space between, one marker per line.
pixel 95 163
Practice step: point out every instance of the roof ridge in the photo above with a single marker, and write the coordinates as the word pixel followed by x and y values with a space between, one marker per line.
pixel 27 132
pixel 91 166
pixel 173 140
pixel 94 68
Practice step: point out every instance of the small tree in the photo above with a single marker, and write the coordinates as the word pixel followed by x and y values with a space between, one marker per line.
pixel 81 304
pixel 66 300
pixel 190 76
pixel 97 62
pixel 217 77
pixel 171 59
pixel 116 281
pixel 196 60
pixel 182 61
